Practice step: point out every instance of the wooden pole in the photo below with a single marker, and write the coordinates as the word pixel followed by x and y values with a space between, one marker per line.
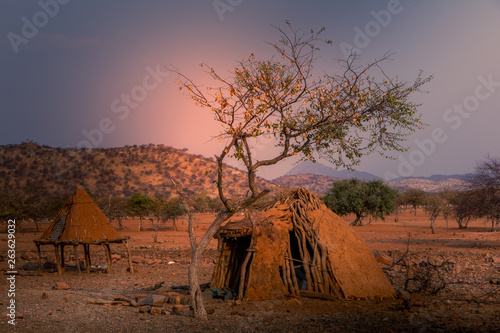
pixel 86 250
pixel 75 249
pixel 39 258
pixel 62 257
pixel 130 268
pixel 108 253
pixel 58 259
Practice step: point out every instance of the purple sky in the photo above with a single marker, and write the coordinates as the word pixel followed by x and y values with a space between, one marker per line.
pixel 67 68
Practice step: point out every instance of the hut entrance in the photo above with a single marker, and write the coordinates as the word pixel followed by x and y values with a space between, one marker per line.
pixel 296 261
pixel 235 258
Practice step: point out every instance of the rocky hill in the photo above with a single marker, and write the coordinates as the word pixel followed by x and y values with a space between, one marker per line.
pixel 315 183
pixel 429 185
pixel 116 171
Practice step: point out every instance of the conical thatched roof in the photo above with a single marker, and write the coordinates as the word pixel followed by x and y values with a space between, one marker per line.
pixel 298 246
pixel 80 221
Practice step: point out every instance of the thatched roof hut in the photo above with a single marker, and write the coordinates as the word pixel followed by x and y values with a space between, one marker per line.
pixel 80 222
pixel 297 247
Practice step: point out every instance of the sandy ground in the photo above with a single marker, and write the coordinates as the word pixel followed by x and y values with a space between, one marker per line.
pixel 451 275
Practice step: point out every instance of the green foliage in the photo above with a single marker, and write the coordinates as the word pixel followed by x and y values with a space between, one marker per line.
pixel 139 204
pixel 414 197
pixel 363 199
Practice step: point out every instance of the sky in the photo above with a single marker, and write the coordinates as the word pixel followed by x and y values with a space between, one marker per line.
pixel 92 73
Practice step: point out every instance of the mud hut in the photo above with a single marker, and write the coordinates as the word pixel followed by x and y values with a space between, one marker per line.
pixel 80 222
pixel 297 247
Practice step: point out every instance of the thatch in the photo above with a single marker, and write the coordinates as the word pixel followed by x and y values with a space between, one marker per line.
pixel 297 247
pixel 80 222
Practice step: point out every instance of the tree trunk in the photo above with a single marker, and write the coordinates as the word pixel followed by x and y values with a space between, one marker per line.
pixel 140 223
pixel 194 285
pixel 37 226
pixel 120 224
pixel 174 223
pixel 358 221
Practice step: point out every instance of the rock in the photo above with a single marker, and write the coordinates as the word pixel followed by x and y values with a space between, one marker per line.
pixel 208 295
pixel 210 310
pixel 155 311
pixel 61 286
pixel 44 296
pixel 174 300
pixel 384 260
pixel 165 312
pixel 144 309
pixel 293 302
pixel 153 300
pixel 28 256
pixel 115 257
pixel 186 300
pixel 237 302
pixel 49 264
pixel 434 261
pixel 178 308
pixel 495 259
pixel 137 259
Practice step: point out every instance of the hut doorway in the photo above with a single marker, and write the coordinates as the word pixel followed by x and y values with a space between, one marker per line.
pixel 235 258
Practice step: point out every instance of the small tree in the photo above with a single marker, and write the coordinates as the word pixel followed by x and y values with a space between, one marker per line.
pixel 414 197
pixel 139 205
pixel 303 112
pixel 158 207
pixel 484 184
pixel 433 207
pixel 174 209
pixel 363 199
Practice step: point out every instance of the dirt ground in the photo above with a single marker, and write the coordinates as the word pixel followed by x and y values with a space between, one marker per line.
pixel 453 276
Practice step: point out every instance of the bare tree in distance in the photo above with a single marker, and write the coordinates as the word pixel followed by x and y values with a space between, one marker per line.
pixel 305 112
pixel 484 184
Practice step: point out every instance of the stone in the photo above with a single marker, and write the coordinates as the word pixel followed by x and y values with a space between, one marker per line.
pixel 61 286
pixel 434 261
pixel 115 257
pixel 155 311
pixel 293 302
pixel 178 308
pixel 207 295
pixel 186 300
pixel 28 256
pixel 45 296
pixel 210 310
pixel 153 300
pixel 174 300
pixel 495 259
pixel 137 259
pixel 49 264
pixel 144 309
pixel 384 260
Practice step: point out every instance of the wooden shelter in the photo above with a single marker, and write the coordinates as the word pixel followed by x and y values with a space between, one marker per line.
pixel 80 222
pixel 297 247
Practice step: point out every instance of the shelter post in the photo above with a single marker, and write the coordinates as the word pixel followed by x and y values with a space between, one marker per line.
pixel 39 258
pixel 75 248
pixel 58 259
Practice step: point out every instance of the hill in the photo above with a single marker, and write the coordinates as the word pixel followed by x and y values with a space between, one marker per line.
pixel 112 171
pixel 315 183
pixel 316 168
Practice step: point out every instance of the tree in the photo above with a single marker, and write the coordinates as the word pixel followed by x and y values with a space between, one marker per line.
pixel 414 197
pixel 463 207
pixel 113 207
pixel 339 117
pixel 158 207
pixel 433 206
pixel 139 204
pixel 361 198
pixel 485 186
pixel 175 209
